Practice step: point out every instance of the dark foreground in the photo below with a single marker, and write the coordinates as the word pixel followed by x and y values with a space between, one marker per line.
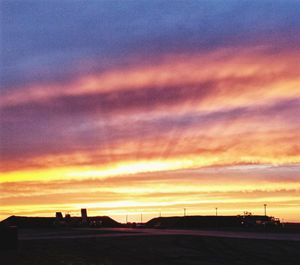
pixel 158 249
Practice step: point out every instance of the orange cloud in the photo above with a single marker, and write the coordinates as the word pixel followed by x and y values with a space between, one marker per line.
pixel 230 69
pixel 234 107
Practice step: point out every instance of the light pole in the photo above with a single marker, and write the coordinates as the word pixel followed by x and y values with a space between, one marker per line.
pixel 265 206
pixel 216 211
pixel 141 217
pixel 184 211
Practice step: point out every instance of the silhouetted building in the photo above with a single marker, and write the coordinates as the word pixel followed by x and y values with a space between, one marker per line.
pixel 68 217
pixel 58 216
pixel 84 216
pixel 246 220
pixel 29 222
pixel 249 220
pixel 38 222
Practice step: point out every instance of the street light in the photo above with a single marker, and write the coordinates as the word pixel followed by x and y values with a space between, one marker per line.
pixel 216 211
pixel 265 206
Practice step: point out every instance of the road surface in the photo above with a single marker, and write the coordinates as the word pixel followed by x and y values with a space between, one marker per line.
pixel 125 232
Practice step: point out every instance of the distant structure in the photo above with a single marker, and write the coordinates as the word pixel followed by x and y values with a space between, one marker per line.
pixel 58 221
pixel 247 220
pixel 84 216
pixel 243 221
pixel 58 216
pixel 68 218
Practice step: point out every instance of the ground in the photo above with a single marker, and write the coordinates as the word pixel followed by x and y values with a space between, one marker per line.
pixel 153 249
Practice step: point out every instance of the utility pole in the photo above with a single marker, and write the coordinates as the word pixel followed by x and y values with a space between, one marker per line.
pixel 265 206
pixel 141 217
pixel 126 218
pixel 184 211
pixel 216 211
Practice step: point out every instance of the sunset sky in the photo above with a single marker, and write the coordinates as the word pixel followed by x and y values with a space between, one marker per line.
pixel 123 107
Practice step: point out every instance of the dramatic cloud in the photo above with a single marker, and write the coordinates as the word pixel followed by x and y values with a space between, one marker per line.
pixel 53 41
pixel 119 105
